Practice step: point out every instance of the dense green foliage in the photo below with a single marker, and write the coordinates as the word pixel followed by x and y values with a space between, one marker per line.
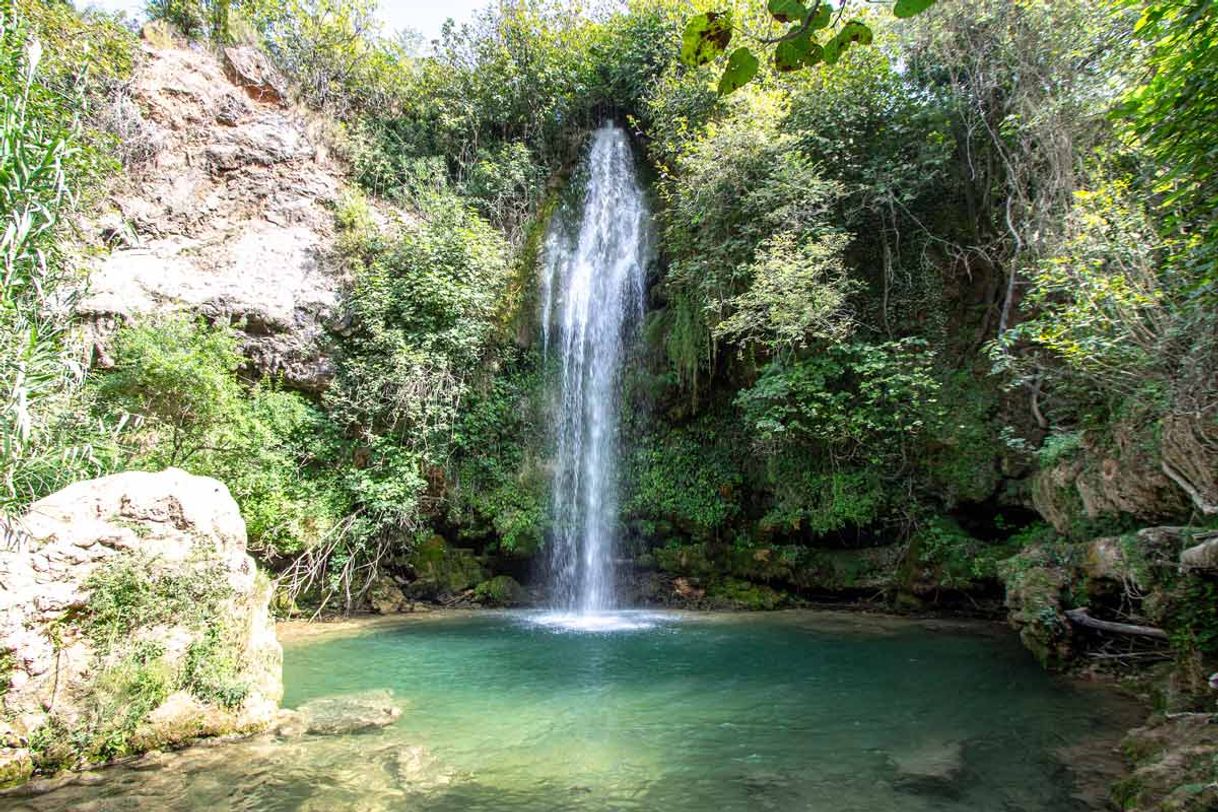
pixel 904 292
pixel 817 34
pixel 49 158
pixel 932 310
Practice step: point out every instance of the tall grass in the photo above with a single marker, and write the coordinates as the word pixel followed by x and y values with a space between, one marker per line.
pixel 40 135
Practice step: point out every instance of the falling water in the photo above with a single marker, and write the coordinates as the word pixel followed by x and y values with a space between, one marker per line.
pixel 592 298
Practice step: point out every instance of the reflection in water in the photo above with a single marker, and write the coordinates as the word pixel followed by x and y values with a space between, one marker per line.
pixel 793 711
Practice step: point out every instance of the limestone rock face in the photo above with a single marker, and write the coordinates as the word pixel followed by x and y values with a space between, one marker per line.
pixel 131 617
pixel 1107 482
pixel 250 69
pixel 1168 478
pixel 1189 458
pixel 229 214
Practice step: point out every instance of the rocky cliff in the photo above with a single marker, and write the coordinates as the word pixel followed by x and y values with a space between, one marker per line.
pixel 131 617
pixel 226 208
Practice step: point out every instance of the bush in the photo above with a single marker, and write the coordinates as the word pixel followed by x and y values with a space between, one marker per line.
pixel 128 595
pixel 47 161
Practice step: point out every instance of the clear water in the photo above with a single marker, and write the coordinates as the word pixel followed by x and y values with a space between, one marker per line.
pixel 592 281
pixel 792 711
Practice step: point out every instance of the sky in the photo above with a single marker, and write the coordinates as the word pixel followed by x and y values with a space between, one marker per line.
pixel 424 16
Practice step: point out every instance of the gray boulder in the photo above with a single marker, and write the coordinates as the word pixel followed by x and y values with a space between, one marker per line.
pixel 131 618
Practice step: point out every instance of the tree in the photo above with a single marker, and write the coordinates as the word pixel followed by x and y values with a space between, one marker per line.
pixel 816 34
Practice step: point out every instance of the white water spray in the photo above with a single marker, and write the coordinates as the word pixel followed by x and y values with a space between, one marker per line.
pixel 592 301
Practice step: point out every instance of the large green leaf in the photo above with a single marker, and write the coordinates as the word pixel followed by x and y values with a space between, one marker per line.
pixel 787 11
pixel 706 36
pixel 853 32
pixel 908 8
pixel 822 17
pixel 741 67
pixel 793 54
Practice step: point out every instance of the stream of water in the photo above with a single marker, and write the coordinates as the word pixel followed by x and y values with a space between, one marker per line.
pixel 592 299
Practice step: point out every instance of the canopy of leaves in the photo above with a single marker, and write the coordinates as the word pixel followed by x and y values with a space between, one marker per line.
pixel 707 36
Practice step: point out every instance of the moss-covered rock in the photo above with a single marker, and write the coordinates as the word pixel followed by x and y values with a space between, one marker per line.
pixel 502 590
pixel 804 569
pixel 16 766
pixel 133 619
pixel 1174 766
pixel 732 593
pixel 1036 580
pixel 385 597
pixel 442 571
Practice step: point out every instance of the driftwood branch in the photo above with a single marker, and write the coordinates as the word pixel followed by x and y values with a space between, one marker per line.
pixel 1082 618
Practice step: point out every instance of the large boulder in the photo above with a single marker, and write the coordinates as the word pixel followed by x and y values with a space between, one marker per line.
pixel 131 618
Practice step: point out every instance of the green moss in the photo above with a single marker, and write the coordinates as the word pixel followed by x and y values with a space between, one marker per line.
pixel 685 559
pixel 737 594
pixel 502 590
pixel 1037 580
pixel 128 596
pixel 16 771
pixel 441 570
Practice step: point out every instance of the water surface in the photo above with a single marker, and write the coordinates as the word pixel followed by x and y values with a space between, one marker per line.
pixel 788 711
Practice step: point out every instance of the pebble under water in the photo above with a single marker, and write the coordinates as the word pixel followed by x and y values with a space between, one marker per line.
pixel 784 711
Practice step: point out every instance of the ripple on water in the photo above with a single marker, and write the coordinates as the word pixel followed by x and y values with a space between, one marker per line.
pixel 597 622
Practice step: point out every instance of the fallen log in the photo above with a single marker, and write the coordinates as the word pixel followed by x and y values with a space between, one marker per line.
pixel 1082 618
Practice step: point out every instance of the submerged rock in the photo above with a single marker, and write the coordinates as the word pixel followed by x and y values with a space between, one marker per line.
pixel 339 715
pixel 420 770
pixel 934 768
pixel 131 618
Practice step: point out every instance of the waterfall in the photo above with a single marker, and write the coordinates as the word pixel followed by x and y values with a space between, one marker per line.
pixel 592 301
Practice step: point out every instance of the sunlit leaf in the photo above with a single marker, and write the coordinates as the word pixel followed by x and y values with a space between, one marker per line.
pixel 741 67
pixel 793 54
pixel 832 51
pixel 787 11
pixel 822 17
pixel 706 37
pixel 908 8
pixel 854 32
